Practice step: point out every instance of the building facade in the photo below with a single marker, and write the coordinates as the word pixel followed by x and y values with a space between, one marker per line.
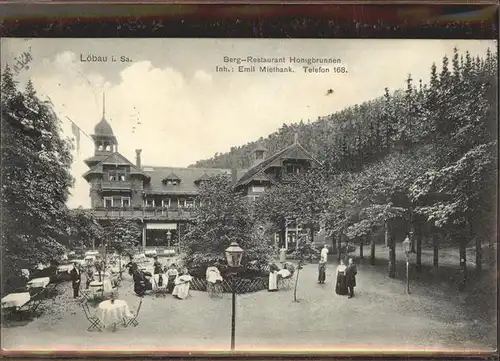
pixel 162 198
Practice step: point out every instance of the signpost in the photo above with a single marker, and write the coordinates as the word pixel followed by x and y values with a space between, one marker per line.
pixel 407 250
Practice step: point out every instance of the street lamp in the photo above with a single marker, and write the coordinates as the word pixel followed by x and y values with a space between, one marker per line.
pixel 234 253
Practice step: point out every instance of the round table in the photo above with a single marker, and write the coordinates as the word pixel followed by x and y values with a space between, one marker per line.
pixel 112 313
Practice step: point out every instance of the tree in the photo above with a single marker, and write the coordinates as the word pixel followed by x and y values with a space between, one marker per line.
pixel 302 253
pixel 84 229
pixel 222 217
pixel 36 179
pixel 122 236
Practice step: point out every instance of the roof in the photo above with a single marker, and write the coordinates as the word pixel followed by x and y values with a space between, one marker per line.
pixel 188 177
pixel 114 158
pixel 96 158
pixel 295 151
pixel 103 128
pixel 172 176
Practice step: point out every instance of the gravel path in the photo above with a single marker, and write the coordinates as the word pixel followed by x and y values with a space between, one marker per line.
pixel 380 316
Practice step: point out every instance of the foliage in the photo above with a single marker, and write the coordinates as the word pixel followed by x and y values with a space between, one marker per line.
pixel 222 217
pixel 35 179
pixel 84 229
pixel 122 235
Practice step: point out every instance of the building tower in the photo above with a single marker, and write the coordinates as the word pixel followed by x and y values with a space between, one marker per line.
pixel 105 142
pixel 258 154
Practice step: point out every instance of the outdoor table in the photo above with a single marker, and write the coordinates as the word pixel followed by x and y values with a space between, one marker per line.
pixel 91 253
pixel 39 282
pixel 65 268
pixel 16 300
pixel 112 313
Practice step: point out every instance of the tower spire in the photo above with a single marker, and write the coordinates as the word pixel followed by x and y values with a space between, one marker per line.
pixel 103 105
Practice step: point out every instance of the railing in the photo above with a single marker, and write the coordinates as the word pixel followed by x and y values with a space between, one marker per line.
pixel 144 213
pixel 107 185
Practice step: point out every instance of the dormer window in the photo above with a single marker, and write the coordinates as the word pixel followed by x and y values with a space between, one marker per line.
pixel 259 155
pixel 171 179
pixel 202 179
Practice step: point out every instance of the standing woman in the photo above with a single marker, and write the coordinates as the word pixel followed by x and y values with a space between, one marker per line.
pixel 75 280
pixel 273 277
pixel 171 274
pixel 341 286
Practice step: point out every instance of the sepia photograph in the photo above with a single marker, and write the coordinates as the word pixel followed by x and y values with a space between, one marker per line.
pixel 250 195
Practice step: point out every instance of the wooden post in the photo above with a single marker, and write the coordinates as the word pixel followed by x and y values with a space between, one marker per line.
pixel 418 261
pixel 386 228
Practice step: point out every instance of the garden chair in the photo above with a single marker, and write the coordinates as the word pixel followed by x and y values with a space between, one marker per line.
pixel 30 307
pixel 133 321
pixel 214 290
pixel 95 323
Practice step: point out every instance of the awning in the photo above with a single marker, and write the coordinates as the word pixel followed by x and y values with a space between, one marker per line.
pixel 161 225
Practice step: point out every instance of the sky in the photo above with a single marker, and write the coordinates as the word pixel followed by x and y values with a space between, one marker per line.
pixel 189 111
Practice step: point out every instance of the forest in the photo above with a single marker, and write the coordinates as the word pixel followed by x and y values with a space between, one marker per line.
pixel 421 160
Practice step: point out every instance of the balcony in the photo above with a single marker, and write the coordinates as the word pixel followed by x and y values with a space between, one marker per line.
pixel 290 177
pixel 116 185
pixel 153 213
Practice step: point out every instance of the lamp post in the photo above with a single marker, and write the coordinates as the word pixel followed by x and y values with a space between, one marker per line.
pixel 234 254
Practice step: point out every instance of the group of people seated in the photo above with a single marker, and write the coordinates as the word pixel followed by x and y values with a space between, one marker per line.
pixel 168 278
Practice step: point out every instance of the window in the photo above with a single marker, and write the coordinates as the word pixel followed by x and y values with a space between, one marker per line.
pixel 292 169
pixel 108 202
pixel 189 203
pixel 150 202
pixel 125 201
pixel 258 189
pixel 166 203
pixel 117 177
pixel 181 203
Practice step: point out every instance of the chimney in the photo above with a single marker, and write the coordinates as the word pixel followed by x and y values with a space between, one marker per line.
pixel 296 138
pixel 138 157
pixel 234 176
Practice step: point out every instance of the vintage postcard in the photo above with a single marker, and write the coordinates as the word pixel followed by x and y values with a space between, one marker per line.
pixel 306 195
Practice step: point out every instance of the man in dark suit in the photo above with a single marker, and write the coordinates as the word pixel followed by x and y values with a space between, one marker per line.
pixel 76 278
pixel 350 277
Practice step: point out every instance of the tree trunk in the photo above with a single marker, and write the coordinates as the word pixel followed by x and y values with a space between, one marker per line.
pixel 296 282
pixel 463 262
pixel 334 244
pixel 418 262
pixel 435 247
pixel 372 245
pixel 282 234
pixel 312 234
pixel 339 247
pixel 479 256
pixel 361 247
pixel 392 256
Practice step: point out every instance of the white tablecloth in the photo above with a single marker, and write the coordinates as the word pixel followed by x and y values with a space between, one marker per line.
pixel 65 268
pixel 91 253
pixel 15 300
pixel 113 313
pixel 95 286
pixel 39 282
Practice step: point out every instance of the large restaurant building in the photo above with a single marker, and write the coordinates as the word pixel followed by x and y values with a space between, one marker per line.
pixel 162 198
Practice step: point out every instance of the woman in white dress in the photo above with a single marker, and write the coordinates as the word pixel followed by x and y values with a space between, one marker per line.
pixel 273 278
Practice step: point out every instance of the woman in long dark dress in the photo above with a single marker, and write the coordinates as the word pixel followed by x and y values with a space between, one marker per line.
pixel 341 286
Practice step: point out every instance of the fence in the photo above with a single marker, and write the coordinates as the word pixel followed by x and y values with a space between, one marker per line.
pixel 243 285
